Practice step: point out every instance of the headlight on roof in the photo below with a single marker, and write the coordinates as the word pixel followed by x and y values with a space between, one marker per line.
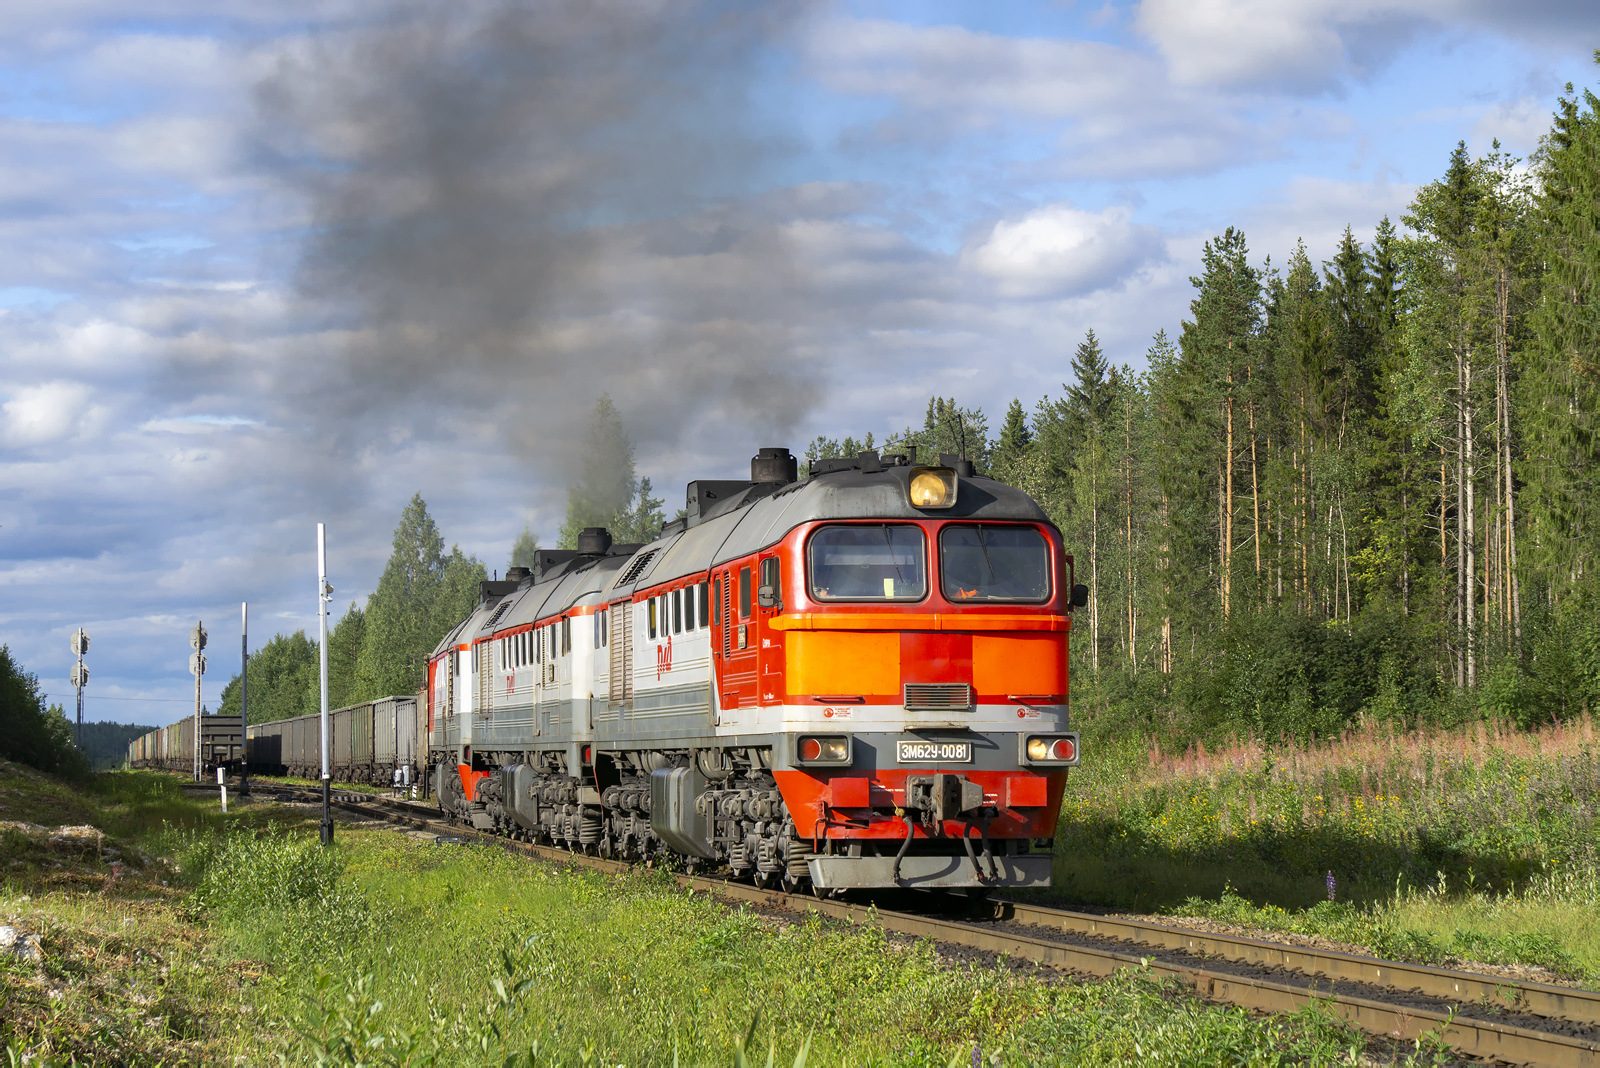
pixel 933 487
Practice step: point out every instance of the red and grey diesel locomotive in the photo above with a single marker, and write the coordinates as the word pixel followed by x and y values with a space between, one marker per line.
pixel 856 680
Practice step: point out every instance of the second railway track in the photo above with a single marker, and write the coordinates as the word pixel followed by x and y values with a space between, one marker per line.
pixel 1480 1016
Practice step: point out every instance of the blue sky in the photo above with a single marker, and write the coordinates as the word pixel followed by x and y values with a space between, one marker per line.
pixel 270 265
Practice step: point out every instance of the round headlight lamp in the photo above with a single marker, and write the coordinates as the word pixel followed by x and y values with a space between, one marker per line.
pixel 932 487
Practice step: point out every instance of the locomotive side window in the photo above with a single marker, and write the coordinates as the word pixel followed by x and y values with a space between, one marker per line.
pixel 716 604
pixel 652 617
pixel 688 607
pixel 705 598
pixel 862 562
pixel 989 562
pixel 677 611
pixel 566 636
pixel 744 593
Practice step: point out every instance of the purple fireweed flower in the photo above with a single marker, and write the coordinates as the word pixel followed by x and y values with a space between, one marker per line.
pixel 1333 886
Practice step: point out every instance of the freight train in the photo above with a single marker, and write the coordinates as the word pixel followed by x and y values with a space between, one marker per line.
pixel 857 680
pixel 171 748
pixel 370 742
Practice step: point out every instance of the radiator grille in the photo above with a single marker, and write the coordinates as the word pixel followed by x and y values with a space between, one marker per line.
pixel 635 568
pixel 938 697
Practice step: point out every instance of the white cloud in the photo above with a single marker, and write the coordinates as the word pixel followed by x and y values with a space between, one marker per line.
pixel 1059 250
pixel 1318 209
pixel 1120 113
pixel 1517 124
pixel 45 414
pixel 1311 45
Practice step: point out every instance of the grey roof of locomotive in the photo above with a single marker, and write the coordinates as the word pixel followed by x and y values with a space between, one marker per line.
pixel 738 526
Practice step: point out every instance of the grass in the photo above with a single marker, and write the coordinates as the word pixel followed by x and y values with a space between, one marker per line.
pixel 1474 845
pixel 252 944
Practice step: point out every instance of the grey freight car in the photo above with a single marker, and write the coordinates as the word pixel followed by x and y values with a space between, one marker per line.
pixel 368 742
pixel 171 748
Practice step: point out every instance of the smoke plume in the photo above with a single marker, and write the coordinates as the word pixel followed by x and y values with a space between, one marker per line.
pixel 514 207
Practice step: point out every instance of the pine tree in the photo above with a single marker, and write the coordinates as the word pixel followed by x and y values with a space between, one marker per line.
pixel 1216 348
pixel 1446 340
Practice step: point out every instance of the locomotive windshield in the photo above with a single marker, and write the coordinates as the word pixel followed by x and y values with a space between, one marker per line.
pixel 987 562
pixel 861 562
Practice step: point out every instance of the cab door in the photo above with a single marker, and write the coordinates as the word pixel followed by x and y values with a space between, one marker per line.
pixel 739 653
pixel 768 642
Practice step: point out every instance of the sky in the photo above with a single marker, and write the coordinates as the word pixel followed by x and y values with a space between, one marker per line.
pixel 269 265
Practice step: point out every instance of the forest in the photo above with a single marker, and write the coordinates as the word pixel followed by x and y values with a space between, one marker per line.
pixel 1360 489
pixel 1365 489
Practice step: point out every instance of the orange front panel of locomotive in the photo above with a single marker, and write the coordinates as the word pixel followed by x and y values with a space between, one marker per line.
pixel 860 663
pixel 1034 665
pixel 826 806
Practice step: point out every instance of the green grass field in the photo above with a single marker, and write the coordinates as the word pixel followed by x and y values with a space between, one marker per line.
pixel 251 944
pixel 1477 845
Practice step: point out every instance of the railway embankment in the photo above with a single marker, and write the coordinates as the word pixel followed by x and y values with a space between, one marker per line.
pixel 239 939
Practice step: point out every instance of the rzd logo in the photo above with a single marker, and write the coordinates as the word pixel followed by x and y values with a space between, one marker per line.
pixel 664 658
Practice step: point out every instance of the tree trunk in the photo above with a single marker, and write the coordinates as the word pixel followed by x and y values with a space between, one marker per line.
pixel 1255 498
pixel 1470 529
pixel 1227 506
pixel 1127 506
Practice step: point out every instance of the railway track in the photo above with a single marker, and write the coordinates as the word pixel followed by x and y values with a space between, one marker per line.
pixel 1483 1017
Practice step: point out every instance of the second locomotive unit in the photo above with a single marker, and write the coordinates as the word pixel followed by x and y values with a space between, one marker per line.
pixel 855 680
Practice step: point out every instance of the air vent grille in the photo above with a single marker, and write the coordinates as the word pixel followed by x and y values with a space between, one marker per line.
pixel 938 697
pixel 635 569
pixel 504 607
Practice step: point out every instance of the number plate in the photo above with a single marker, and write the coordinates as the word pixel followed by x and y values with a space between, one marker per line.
pixel 937 752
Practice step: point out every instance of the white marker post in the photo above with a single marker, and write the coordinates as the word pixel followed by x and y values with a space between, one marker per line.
pixel 323 597
pixel 223 786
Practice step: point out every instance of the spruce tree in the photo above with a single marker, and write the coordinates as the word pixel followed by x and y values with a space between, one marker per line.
pixel 523 549
pixel 604 485
pixel 1560 392
pixel 1013 445
pixel 1088 396
pixel 640 522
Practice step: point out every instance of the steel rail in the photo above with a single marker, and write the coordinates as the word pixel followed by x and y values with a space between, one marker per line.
pixel 1472 1036
pixel 1537 999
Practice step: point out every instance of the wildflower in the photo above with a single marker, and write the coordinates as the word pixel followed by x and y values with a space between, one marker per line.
pixel 1333 886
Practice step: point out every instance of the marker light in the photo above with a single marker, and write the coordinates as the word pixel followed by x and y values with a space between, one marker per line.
pixel 1050 749
pixel 933 487
pixel 822 750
